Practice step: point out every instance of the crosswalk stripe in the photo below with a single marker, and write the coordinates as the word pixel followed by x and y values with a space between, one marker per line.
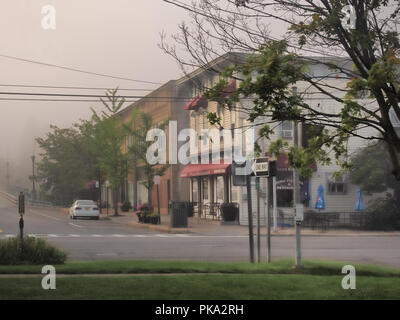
pixel 125 236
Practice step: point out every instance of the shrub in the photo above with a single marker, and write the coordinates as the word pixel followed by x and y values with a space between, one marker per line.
pixel 126 206
pixel 384 214
pixel 33 251
pixel 229 211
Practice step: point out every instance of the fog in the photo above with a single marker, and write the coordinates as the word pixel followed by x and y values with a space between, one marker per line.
pixel 116 37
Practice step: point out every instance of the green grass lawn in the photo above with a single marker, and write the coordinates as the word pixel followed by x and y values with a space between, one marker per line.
pixel 208 287
pixel 278 280
pixel 282 266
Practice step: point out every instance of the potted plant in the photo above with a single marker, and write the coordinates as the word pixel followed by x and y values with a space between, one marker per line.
pixel 229 211
pixel 143 212
pixel 126 206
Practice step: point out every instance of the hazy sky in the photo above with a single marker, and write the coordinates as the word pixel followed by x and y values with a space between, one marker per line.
pixel 116 37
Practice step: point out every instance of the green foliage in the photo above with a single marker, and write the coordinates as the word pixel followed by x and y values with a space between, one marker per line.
pixel 137 128
pixel 33 251
pixel 68 161
pixel 384 214
pixel 372 169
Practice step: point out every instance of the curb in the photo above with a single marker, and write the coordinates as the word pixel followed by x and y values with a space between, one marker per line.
pixel 160 228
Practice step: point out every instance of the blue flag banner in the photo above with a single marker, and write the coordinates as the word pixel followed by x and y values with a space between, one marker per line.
pixel 320 203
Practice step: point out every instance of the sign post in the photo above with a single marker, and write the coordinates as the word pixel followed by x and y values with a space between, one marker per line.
pixel 266 168
pixel 258 220
pixel 21 211
pixel 157 183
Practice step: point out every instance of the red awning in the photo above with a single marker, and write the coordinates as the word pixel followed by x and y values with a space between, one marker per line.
pixel 189 104
pixel 197 102
pixel 229 88
pixel 195 170
pixel 200 102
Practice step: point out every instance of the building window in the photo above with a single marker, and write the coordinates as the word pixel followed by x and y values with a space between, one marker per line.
pixel 220 112
pixel 142 192
pixel 195 190
pixel 336 184
pixel 220 189
pixel 205 188
pixel 286 129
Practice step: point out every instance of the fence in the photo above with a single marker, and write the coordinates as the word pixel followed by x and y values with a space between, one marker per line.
pixel 340 220
pixel 34 203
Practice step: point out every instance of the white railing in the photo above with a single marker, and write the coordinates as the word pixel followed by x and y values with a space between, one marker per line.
pixel 33 203
pixel 9 197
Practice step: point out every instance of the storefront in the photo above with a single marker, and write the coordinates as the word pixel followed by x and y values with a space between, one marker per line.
pixel 209 187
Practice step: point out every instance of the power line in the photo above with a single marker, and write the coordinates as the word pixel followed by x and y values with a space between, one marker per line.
pixel 71 87
pixel 76 70
pixel 57 100
pixel 85 95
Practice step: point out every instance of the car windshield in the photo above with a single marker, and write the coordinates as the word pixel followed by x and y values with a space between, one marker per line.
pixel 84 202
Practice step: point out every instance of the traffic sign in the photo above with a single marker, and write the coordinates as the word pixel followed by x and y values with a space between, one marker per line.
pixel 156 179
pixel 299 212
pixel 261 167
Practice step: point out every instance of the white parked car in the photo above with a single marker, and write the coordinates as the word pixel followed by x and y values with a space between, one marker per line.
pixel 84 208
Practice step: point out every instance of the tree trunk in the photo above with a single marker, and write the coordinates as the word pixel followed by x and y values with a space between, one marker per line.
pixel 115 201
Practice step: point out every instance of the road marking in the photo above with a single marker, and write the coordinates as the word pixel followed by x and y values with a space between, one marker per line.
pixel 172 235
pixel 75 225
pixel 45 215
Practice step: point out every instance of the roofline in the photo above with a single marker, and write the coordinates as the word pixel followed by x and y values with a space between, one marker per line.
pixel 149 95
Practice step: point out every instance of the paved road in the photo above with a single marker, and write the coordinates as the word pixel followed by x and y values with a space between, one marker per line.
pixel 105 239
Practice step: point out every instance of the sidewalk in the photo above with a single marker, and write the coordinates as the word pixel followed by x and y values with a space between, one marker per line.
pixel 216 228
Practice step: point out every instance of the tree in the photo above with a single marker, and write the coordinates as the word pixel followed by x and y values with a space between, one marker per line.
pixel 110 136
pixel 372 171
pixel 67 162
pixel 312 27
pixel 138 128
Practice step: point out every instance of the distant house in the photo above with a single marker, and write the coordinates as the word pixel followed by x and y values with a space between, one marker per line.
pixel 211 184
pixel 162 105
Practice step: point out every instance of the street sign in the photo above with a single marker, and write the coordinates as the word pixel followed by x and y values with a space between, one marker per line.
pixel 298 213
pixel 261 167
pixel 156 180
pixel 238 179
pixel 21 203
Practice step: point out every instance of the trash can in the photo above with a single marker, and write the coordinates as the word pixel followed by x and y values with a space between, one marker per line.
pixel 179 214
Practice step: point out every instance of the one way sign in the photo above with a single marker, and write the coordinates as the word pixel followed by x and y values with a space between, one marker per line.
pixel 261 167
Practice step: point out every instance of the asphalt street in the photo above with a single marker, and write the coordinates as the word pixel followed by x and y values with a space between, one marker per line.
pixel 106 239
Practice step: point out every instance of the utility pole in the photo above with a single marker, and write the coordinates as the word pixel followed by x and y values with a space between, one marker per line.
pixel 297 200
pixel 268 224
pixel 33 178
pixel 250 218
pixel 258 220
pixel 275 209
